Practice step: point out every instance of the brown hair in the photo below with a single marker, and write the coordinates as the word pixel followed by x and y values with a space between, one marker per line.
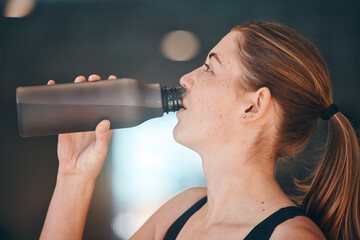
pixel 277 57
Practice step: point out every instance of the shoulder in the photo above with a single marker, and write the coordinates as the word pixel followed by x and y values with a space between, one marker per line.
pixel 158 224
pixel 297 228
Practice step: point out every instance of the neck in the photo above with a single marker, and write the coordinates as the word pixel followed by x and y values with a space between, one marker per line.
pixel 240 188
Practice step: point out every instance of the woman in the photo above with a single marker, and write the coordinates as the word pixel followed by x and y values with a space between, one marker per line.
pixel 258 97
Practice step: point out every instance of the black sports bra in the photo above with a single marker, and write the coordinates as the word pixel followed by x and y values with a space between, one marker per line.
pixel 262 231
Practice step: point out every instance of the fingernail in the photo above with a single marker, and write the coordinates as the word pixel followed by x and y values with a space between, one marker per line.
pixel 78 79
pixel 93 76
pixel 107 125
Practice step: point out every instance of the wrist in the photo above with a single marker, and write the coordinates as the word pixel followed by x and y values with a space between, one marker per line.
pixel 77 173
pixel 75 183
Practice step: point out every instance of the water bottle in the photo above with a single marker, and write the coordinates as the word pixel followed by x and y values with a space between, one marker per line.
pixel 76 107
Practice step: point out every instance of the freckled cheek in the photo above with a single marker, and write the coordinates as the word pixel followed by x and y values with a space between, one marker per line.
pixel 207 113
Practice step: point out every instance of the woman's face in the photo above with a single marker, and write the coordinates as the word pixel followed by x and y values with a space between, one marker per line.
pixel 212 100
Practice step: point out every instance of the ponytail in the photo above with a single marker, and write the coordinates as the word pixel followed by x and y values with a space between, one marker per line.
pixel 333 197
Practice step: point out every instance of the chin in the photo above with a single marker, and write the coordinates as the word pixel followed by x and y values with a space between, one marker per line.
pixel 177 134
pixel 184 137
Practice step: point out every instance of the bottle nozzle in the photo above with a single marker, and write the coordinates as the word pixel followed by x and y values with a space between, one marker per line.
pixel 172 98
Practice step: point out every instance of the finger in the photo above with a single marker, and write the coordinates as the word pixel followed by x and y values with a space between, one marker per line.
pixel 102 133
pixel 79 79
pixel 112 77
pixel 94 77
pixel 51 82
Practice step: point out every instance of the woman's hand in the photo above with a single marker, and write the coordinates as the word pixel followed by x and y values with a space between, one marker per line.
pixel 81 157
pixel 83 154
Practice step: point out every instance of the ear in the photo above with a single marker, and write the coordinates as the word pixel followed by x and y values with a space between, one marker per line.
pixel 256 104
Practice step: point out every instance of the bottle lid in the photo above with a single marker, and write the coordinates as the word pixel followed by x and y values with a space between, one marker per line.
pixel 172 98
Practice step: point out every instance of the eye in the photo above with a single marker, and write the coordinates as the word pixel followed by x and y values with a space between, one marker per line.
pixel 207 68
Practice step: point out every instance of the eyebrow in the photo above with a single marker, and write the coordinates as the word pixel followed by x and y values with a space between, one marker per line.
pixel 215 56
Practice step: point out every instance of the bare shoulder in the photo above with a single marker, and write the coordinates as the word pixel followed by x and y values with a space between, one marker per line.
pixel 297 228
pixel 157 225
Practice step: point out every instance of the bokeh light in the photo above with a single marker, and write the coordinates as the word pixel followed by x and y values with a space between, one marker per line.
pixel 18 8
pixel 180 45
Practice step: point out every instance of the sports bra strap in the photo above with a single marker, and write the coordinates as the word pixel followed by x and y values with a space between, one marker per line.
pixel 176 227
pixel 264 229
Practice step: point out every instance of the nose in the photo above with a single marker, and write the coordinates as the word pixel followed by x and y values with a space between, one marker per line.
pixel 187 81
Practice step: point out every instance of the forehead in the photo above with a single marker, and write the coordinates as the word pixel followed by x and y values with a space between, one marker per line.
pixel 226 49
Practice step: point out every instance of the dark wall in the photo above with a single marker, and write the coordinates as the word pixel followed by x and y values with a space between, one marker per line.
pixel 63 39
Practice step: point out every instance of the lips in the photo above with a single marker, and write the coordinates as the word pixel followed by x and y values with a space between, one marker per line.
pixel 184 107
pixel 183 100
pixel 180 110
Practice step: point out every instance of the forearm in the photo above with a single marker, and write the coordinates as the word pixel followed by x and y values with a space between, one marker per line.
pixel 68 208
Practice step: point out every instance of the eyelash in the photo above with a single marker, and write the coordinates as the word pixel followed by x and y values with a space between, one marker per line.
pixel 208 69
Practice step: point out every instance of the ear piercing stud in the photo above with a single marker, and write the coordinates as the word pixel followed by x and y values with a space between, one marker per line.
pixel 243 116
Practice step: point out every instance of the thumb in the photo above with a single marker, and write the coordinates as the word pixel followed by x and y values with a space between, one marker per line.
pixel 102 133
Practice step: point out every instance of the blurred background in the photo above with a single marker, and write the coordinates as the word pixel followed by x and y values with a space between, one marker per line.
pixel 152 41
